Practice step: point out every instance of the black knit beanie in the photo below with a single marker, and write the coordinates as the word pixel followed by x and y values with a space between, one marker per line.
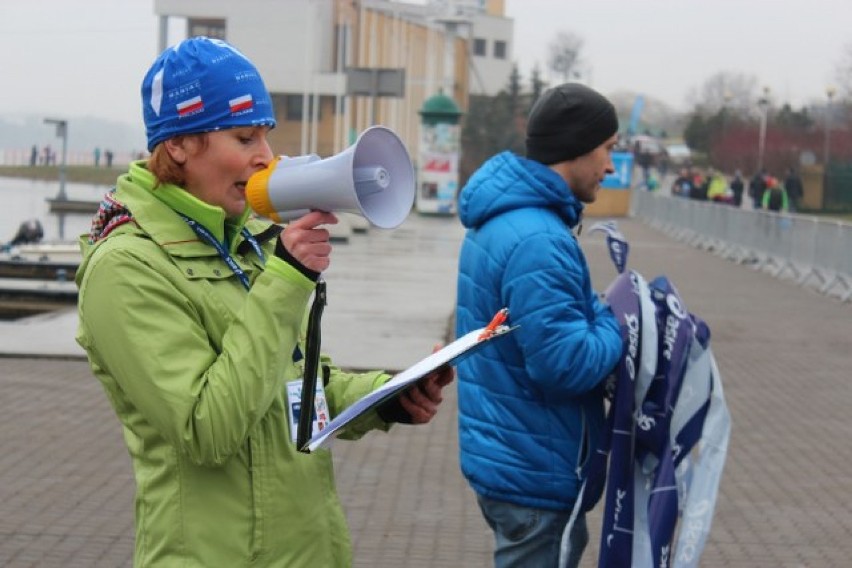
pixel 568 121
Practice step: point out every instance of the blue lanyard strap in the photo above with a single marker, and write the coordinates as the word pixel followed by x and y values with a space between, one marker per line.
pixel 207 236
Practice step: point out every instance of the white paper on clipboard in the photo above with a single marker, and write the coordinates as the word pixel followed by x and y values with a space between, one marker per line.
pixel 449 355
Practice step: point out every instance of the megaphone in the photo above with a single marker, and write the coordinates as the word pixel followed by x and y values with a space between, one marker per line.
pixel 373 178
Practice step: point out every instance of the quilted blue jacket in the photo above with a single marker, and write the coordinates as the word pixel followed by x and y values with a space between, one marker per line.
pixel 531 404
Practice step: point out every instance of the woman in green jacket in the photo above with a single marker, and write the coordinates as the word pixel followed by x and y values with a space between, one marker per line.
pixel 191 314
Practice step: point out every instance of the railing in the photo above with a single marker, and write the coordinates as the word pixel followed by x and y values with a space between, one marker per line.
pixel 22 156
pixel 813 252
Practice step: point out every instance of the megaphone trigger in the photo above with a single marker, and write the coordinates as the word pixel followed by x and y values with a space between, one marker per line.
pixel 373 178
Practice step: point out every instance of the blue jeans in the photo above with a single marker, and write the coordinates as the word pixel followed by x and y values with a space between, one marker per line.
pixel 527 537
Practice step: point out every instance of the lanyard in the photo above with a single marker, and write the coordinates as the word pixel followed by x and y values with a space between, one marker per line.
pixel 312 358
pixel 206 235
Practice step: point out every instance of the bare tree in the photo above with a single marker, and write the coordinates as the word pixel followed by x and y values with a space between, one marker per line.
pixel 735 92
pixel 564 55
pixel 844 72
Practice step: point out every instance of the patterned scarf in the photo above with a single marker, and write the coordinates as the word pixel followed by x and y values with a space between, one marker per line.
pixel 111 213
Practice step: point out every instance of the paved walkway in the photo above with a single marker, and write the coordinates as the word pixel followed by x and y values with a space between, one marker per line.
pixel 66 487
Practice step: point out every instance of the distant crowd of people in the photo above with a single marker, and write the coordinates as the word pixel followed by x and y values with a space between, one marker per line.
pixel 765 190
pixel 46 156
pixel 108 156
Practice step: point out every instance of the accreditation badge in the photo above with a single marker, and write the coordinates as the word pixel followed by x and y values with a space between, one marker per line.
pixel 294 407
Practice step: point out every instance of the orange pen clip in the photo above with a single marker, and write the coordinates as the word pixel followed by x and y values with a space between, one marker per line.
pixel 496 321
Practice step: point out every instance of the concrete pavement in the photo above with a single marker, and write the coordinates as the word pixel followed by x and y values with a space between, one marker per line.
pixel 66 487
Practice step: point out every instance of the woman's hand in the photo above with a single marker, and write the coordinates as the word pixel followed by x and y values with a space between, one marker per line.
pixel 421 401
pixel 308 243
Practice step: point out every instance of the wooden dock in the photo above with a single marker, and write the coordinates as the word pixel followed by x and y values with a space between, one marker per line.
pixel 38 270
pixel 38 278
pixel 42 261
pixel 22 297
pixel 73 206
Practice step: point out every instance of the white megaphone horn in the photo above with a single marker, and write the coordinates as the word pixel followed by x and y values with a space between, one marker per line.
pixel 373 178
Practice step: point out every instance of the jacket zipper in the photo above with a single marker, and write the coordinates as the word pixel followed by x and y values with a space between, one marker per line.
pixel 255 544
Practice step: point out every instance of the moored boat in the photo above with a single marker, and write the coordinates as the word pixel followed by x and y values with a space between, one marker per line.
pixel 44 261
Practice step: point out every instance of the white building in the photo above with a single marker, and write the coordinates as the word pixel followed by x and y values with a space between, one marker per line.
pixel 303 49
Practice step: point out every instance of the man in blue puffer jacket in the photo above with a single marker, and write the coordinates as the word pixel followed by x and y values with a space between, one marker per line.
pixel 531 406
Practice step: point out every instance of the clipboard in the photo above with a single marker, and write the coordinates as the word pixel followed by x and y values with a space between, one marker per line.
pixel 450 354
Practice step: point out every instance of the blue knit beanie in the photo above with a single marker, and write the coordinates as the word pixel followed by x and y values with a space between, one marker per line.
pixel 201 85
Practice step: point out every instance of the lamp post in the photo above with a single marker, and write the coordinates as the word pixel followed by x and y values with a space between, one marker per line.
pixel 826 154
pixel 728 96
pixel 61 132
pixel 763 103
pixel 725 111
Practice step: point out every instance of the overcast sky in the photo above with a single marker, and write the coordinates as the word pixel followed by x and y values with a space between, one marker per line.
pixel 87 57
pixel 665 48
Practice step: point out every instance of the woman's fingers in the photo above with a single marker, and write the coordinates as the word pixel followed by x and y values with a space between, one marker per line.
pixel 419 407
pixel 313 219
pixel 308 241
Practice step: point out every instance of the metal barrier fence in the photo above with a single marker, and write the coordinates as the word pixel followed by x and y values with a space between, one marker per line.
pixel 813 252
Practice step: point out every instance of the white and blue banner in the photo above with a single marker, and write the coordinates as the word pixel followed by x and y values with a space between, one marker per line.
pixel 635 114
pixel 662 456
pixel 621 178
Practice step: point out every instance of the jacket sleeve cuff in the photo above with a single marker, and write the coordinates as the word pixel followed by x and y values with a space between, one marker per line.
pixel 392 411
pixel 284 254
pixel 282 269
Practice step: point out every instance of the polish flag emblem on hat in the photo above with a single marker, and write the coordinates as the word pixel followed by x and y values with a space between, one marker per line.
pixel 190 106
pixel 241 103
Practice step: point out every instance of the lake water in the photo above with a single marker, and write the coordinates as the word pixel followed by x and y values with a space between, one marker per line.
pixel 24 199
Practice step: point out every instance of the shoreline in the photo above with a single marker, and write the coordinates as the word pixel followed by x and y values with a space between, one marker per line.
pixel 73 174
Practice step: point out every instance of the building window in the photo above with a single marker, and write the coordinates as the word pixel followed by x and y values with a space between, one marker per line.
pixel 293 107
pixel 479 46
pixel 293 104
pixel 206 27
pixel 500 50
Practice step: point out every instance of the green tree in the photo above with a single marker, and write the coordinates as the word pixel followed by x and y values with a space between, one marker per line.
pixel 790 119
pixel 698 133
pixel 515 91
pixel 492 125
pixel 537 86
